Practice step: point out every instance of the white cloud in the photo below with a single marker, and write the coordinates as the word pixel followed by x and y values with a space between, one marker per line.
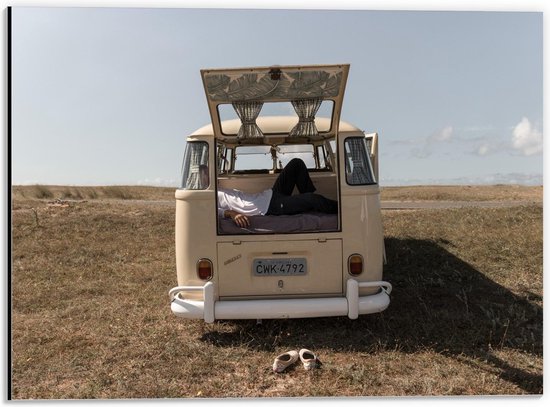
pixel 526 138
pixel 484 146
pixel 425 145
pixel 444 134
pixel 158 182
pixel 483 149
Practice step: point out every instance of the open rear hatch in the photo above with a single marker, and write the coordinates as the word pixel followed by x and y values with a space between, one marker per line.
pixel 249 91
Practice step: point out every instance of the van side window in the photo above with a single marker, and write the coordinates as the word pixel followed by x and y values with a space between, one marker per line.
pixel 195 160
pixel 358 166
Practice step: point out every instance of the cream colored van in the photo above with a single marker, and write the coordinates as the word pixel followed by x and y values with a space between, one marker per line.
pixel 288 266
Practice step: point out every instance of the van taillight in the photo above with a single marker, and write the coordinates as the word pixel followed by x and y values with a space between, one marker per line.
pixel 204 269
pixel 355 264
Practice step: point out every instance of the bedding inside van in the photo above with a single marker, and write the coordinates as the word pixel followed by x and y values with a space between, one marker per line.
pixel 305 222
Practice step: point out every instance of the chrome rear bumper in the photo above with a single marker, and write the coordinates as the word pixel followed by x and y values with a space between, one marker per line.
pixel 351 305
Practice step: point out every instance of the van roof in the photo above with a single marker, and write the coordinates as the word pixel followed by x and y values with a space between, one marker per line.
pixel 271 125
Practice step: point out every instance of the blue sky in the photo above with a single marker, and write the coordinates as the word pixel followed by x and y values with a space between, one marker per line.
pixel 106 96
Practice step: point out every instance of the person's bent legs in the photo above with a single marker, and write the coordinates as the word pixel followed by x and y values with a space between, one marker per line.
pixel 296 174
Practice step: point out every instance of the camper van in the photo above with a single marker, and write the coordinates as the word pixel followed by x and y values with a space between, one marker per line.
pixel 300 265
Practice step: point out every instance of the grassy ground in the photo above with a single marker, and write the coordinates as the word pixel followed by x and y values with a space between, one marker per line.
pixel 463 193
pixel 22 193
pixel 91 316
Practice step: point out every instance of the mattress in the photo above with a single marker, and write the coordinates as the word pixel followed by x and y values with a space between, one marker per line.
pixel 305 222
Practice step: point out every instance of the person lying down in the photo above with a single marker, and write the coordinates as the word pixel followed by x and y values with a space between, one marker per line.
pixel 277 200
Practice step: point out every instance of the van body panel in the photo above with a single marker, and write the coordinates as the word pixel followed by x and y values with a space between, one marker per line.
pixel 323 267
pixel 195 231
pixel 364 234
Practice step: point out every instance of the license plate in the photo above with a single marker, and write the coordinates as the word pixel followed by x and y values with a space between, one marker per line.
pixel 279 267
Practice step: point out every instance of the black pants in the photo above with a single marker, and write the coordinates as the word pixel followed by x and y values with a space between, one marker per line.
pixel 295 174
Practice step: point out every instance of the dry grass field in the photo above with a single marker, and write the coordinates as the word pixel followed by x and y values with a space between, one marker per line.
pixel 91 270
pixel 463 193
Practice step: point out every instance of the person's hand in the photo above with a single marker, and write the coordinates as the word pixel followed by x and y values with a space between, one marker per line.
pixel 239 219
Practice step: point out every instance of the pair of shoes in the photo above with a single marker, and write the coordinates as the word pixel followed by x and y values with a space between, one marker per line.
pixel 308 358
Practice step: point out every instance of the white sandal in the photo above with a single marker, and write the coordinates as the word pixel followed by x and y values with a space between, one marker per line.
pixel 285 360
pixel 309 359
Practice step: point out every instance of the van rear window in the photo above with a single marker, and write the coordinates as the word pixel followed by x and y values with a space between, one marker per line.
pixel 261 157
pixel 228 112
pixel 253 158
